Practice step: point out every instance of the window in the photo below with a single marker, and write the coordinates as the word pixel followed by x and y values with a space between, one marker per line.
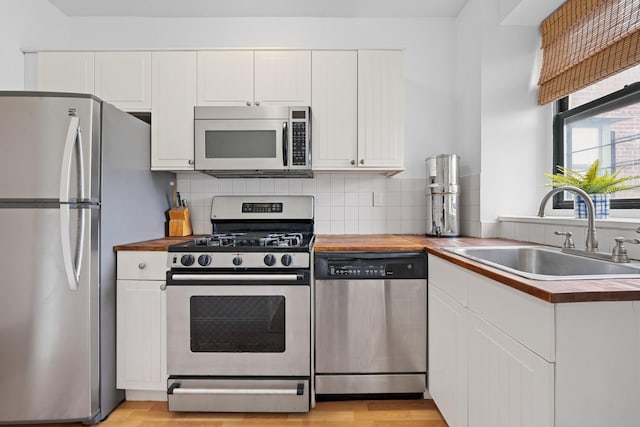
pixel 601 122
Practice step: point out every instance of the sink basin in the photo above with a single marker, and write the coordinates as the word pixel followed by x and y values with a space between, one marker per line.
pixel 544 263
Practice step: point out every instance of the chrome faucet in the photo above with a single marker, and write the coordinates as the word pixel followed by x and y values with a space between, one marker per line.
pixel 592 239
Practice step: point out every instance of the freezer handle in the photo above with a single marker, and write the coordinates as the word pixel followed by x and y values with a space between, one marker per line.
pixel 72 265
pixel 73 139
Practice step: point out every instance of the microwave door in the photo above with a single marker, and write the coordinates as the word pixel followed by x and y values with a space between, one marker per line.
pixel 241 144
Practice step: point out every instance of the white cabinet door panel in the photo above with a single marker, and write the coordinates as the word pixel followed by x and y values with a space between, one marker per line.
pixel 509 386
pixel 66 72
pixel 447 370
pixel 173 99
pixel 141 335
pixel 225 78
pixel 124 79
pixel 334 109
pixel 283 77
pixel 380 108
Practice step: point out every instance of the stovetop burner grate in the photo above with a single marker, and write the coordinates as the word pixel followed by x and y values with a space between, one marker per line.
pixel 232 240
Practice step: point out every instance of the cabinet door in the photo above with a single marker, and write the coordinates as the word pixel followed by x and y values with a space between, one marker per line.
pixel 173 96
pixel 283 77
pixel 66 72
pixel 509 386
pixel 448 356
pixel 124 79
pixel 334 109
pixel 380 109
pixel 225 78
pixel 141 335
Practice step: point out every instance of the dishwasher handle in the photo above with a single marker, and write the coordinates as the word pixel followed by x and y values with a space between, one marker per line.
pixel 361 256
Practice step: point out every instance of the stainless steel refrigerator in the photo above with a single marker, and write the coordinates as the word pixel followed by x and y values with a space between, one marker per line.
pixel 74 181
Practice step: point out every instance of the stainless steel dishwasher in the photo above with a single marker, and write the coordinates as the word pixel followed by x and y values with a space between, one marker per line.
pixel 371 322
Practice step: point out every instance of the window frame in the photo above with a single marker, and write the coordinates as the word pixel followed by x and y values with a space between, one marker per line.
pixel 630 94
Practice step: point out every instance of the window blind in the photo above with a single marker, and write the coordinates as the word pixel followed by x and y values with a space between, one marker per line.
pixel 585 41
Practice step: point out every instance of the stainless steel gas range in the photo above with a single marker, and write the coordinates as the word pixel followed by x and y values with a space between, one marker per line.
pixel 239 309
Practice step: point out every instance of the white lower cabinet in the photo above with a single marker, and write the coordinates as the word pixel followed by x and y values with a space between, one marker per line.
pixel 529 362
pixel 480 375
pixel 141 325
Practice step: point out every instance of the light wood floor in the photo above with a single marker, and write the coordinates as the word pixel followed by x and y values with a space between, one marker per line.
pixel 360 413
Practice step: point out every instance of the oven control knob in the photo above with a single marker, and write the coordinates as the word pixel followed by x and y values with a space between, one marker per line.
pixel 187 260
pixel 286 260
pixel 204 260
pixel 269 259
pixel 237 261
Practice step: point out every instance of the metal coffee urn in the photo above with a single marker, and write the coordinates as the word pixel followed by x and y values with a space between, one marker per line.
pixel 443 192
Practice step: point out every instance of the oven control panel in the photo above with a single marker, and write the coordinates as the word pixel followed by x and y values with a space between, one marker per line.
pixel 262 207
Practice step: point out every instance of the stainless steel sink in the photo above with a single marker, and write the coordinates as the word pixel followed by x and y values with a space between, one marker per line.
pixel 544 263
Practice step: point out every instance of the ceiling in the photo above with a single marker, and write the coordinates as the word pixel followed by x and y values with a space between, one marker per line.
pixel 262 8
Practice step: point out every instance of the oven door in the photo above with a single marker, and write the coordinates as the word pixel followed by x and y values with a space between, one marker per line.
pixel 247 144
pixel 246 330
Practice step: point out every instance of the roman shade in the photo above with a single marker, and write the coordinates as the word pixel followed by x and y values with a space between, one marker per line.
pixel 584 41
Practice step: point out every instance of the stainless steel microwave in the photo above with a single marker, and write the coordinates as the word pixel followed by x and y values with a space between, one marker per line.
pixel 253 141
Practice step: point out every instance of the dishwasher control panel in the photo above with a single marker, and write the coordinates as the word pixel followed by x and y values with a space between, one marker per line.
pixel 344 265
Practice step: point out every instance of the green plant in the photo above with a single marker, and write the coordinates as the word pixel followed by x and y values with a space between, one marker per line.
pixel 590 181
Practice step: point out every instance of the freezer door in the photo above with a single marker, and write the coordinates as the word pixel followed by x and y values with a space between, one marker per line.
pixel 52 144
pixel 49 334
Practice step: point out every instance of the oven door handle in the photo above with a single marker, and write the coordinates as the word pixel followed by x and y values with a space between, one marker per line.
pixel 299 390
pixel 236 277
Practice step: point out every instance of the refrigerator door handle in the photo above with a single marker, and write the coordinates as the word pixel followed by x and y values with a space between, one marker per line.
pixel 71 266
pixel 73 136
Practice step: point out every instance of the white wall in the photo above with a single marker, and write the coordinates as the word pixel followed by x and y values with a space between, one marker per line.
pixel 508 134
pixel 26 23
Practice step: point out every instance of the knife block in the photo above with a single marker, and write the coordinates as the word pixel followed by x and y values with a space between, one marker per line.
pixel 179 222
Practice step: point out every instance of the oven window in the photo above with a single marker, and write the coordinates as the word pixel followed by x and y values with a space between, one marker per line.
pixel 238 324
pixel 236 144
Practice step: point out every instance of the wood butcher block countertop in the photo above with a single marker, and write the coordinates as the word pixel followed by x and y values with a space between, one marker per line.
pixel 561 291
pixel 159 245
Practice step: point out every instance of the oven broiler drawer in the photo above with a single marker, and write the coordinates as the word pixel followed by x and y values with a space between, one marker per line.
pixel 207 394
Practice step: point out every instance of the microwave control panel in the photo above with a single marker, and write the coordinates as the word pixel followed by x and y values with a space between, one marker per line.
pixel 299 143
pixel 299 136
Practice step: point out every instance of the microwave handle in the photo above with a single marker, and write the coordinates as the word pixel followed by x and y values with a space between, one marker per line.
pixel 285 143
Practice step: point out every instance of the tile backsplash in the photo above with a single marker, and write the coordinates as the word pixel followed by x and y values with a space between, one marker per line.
pixel 344 203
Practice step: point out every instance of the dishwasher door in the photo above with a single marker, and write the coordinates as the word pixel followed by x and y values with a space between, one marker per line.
pixel 371 326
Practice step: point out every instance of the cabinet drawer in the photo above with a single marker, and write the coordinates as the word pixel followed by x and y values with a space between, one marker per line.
pixel 449 278
pixel 526 319
pixel 142 265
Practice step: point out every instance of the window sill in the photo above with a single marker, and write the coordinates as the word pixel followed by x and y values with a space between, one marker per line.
pixel 609 223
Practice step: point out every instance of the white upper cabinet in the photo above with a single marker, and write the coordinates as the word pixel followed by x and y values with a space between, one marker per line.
pixel 173 96
pixel 358 110
pixel 66 72
pixel 225 78
pixel 380 109
pixel 248 77
pixel 124 79
pixel 334 109
pixel 283 77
